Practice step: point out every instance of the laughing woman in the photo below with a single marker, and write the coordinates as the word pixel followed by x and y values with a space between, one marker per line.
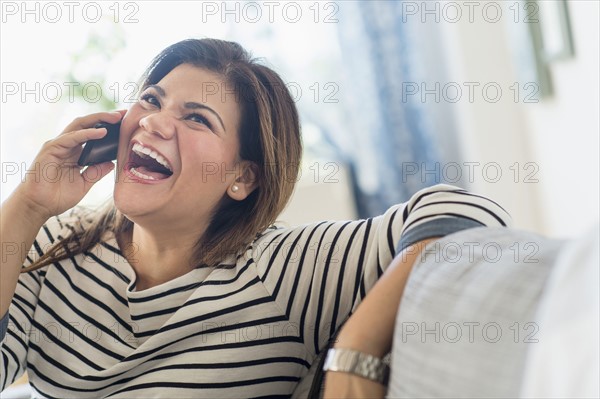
pixel 183 287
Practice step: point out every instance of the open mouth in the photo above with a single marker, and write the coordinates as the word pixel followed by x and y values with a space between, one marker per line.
pixel 147 164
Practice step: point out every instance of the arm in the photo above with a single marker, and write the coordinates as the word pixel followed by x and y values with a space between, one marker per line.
pixel 428 215
pixel 319 273
pixel 370 329
pixel 19 226
pixel 36 199
pixel 22 217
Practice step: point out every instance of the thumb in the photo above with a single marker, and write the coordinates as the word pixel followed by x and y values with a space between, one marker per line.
pixel 94 173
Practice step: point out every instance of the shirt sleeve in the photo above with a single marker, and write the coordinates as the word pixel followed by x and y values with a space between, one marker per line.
pixel 318 273
pixel 446 210
pixel 20 333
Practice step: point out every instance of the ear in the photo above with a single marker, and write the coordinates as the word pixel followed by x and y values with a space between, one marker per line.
pixel 245 183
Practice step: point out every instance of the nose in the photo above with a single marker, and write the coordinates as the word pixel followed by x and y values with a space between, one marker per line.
pixel 159 124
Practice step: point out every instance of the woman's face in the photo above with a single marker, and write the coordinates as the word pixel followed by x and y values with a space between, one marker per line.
pixel 178 150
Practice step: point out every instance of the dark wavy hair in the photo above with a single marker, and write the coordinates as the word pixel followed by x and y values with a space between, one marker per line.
pixel 269 136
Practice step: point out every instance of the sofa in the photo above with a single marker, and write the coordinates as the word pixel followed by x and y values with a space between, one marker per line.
pixel 496 313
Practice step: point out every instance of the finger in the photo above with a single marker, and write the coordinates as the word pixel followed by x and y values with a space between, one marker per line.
pixel 94 173
pixel 90 120
pixel 77 138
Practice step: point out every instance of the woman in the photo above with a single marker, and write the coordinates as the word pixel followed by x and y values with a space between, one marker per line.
pixel 183 288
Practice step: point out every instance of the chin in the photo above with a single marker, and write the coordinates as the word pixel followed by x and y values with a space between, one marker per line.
pixel 132 206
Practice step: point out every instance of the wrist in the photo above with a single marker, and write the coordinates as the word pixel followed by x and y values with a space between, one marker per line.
pixel 357 363
pixel 368 341
pixel 25 210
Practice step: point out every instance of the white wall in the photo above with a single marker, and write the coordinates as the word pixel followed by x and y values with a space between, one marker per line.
pixel 555 139
pixel 564 131
pixel 323 192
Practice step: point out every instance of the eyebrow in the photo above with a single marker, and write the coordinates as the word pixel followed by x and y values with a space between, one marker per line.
pixel 190 105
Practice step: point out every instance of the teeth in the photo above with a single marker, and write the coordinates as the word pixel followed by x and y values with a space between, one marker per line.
pixel 163 162
pixel 141 175
pixel 144 152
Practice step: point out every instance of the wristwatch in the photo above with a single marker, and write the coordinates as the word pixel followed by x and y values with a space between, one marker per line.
pixel 358 363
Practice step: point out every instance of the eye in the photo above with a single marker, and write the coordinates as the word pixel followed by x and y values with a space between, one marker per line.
pixel 200 119
pixel 150 99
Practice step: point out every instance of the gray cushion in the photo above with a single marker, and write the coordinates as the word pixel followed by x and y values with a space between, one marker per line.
pixel 466 319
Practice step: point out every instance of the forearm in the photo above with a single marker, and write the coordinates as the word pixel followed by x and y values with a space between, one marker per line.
pixel 370 329
pixel 19 226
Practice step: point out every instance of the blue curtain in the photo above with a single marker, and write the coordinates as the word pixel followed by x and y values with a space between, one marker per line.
pixel 390 131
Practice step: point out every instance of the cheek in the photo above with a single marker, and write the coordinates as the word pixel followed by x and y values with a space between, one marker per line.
pixel 200 163
pixel 207 161
pixel 129 123
pixel 131 120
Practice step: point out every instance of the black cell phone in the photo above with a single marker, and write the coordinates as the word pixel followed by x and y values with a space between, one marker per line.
pixel 104 149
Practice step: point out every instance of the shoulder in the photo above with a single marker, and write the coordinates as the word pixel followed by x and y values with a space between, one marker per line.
pixel 452 201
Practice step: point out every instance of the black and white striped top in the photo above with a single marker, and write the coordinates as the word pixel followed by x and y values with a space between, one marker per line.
pixel 80 329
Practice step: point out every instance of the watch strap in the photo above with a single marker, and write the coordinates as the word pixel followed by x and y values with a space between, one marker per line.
pixel 358 363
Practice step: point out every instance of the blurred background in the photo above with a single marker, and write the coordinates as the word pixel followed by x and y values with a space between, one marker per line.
pixel 497 97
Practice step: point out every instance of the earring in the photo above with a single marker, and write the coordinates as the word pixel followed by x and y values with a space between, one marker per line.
pixel 234 188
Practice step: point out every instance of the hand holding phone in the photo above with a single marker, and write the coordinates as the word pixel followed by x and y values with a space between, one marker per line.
pixel 104 149
pixel 45 198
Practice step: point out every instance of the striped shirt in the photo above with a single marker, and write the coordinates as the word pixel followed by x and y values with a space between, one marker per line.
pixel 80 328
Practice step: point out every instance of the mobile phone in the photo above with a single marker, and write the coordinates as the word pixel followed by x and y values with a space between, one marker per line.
pixel 104 149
